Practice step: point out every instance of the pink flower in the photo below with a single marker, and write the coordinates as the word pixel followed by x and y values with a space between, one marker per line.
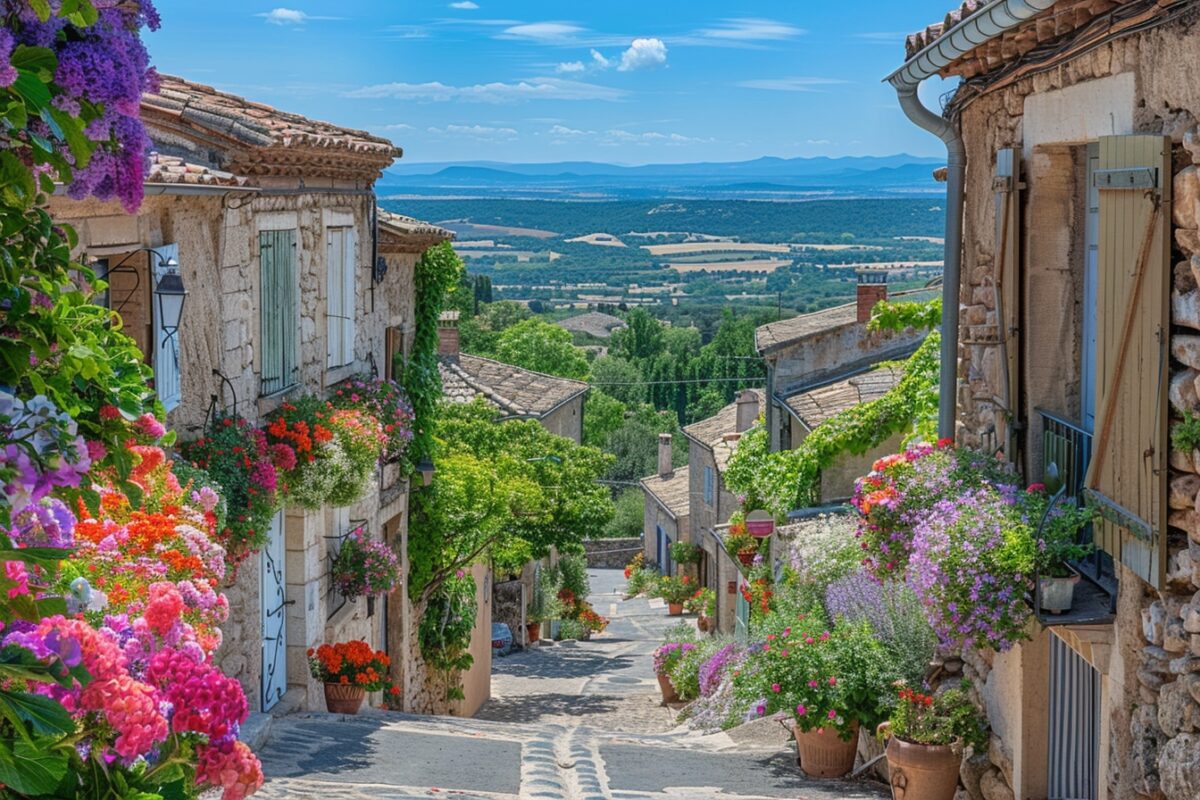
pixel 812 684
pixel 775 688
pixel 761 709
pixel 147 425
pixel 832 714
pixel 801 710
pixel 832 681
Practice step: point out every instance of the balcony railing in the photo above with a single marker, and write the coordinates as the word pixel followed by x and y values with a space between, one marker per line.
pixel 1068 448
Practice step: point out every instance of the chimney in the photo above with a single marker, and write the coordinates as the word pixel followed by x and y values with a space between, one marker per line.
pixel 747 410
pixel 448 334
pixel 872 287
pixel 665 467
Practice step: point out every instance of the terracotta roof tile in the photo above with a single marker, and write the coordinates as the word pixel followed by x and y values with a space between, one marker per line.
pixel 515 391
pixel 174 170
pixel 814 406
pixel 719 432
pixel 406 234
pixel 672 492
pixel 786 331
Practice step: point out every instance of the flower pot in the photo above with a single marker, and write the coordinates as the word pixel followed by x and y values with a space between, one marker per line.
pixel 669 695
pixel 534 631
pixel 1057 593
pixel 702 623
pixel 343 698
pixel 675 609
pixel 925 771
pixel 747 558
pixel 824 754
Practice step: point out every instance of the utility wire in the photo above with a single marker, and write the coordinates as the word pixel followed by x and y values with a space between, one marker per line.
pixel 678 382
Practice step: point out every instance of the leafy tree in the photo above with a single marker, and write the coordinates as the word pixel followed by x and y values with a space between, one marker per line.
pixel 628 517
pixel 682 342
pixel 706 404
pixel 601 416
pixel 542 347
pixel 480 334
pixel 643 338
pixel 635 444
pixel 619 378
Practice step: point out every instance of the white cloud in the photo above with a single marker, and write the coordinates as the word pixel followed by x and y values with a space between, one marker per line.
pixel 643 54
pixel 563 130
pixel 480 132
pixel 790 84
pixel 599 61
pixel 653 137
pixel 398 126
pixel 543 31
pixel 531 89
pixel 465 5
pixel 752 29
pixel 571 66
pixel 405 32
pixel 289 16
pixel 883 37
pixel 817 141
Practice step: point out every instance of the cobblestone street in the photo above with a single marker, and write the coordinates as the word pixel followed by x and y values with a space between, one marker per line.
pixel 576 721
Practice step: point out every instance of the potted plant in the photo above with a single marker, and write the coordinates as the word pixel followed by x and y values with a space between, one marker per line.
pixel 685 553
pixel 544 605
pixel 741 544
pixel 364 567
pixel 349 670
pixel 703 603
pixel 666 657
pixel 925 737
pixel 1057 545
pixel 675 591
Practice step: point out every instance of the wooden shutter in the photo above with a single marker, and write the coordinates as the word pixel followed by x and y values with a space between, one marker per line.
pixel 1007 187
pixel 1127 475
pixel 339 300
pixel 279 310
pixel 349 299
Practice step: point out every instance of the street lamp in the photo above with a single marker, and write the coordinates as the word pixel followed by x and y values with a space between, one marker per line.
pixel 171 295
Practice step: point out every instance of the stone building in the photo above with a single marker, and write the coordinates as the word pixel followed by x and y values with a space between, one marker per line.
pixel 668 506
pixel 1074 140
pixel 294 282
pixel 822 363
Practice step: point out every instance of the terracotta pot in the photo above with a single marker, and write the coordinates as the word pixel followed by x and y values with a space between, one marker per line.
pixel 823 754
pixel 923 771
pixel 747 558
pixel 669 695
pixel 534 631
pixel 675 609
pixel 343 698
pixel 1057 593
pixel 702 624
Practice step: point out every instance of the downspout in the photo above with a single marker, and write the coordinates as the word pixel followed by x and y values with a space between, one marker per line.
pixel 986 24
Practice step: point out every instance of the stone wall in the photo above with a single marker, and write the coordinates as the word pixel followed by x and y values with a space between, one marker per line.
pixel 1151 663
pixel 611 553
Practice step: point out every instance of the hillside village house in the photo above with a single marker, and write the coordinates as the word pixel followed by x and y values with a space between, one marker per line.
pixel 294 282
pixel 1073 143
pixel 826 362
pixel 668 511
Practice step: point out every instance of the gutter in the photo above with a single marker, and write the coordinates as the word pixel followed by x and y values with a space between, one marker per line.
pixel 986 24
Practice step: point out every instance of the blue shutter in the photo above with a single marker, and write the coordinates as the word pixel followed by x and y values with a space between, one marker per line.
pixel 279 316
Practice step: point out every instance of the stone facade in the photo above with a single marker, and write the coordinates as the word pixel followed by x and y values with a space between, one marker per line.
pixel 611 553
pixel 1147 659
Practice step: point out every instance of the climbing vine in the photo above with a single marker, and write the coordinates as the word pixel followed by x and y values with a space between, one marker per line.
pixel 790 479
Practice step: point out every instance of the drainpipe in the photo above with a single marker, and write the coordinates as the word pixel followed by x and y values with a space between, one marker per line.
pixel 986 24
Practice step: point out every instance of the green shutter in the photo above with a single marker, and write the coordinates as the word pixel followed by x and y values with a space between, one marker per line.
pixel 279 310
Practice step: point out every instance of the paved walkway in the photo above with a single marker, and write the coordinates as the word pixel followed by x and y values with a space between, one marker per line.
pixel 566 722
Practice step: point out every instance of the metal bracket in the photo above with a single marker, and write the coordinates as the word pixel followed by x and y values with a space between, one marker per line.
pixel 1125 179
pixel 1114 512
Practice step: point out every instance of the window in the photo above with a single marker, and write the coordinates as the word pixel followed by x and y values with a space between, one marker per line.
pixel 279 310
pixel 166 340
pixel 393 357
pixel 339 299
pixel 709 485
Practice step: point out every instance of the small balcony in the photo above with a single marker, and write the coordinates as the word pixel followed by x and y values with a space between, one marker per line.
pixel 1068 447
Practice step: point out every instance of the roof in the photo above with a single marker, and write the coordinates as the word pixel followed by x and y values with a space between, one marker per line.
pixel 250 139
pixel 814 406
pixel 671 492
pixel 716 432
pixel 1061 19
pixel 774 335
pixel 593 322
pixel 174 170
pixel 398 233
pixel 515 391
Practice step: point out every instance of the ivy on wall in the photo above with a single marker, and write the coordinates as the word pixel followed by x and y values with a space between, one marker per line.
pixel 790 479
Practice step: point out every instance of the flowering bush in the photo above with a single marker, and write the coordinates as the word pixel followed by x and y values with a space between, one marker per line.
pixel 361 438
pixel 674 591
pixel 237 457
pixel 704 601
pixel 386 402
pixel 894 614
pixel 685 553
pixel 739 543
pixel 666 656
pixel 353 663
pixel 365 567
pixel 824 677
pixel 971 566
pixel 591 620
pixel 941 719
pixel 634 565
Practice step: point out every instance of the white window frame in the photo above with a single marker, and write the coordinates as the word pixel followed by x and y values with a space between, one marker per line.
pixel 340 297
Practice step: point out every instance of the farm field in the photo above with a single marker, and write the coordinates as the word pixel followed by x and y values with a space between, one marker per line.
pixel 754 265
pixel 689 248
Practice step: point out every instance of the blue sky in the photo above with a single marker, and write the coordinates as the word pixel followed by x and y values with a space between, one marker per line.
pixel 623 81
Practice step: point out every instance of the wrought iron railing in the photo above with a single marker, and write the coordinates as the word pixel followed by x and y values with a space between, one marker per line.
pixel 1067 450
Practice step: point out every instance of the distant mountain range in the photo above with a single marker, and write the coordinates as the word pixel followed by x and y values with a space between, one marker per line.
pixel 763 177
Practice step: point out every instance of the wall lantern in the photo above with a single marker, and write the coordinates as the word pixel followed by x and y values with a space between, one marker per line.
pixel 426 468
pixel 171 296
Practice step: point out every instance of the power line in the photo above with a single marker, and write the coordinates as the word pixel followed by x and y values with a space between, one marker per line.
pixel 683 381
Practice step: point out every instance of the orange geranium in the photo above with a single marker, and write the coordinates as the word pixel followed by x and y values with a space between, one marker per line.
pixel 350 663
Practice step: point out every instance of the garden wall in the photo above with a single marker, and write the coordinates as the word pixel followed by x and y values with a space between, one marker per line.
pixel 611 553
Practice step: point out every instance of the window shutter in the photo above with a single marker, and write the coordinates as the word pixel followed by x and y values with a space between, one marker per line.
pixel 1007 187
pixel 279 318
pixel 291 323
pixel 1127 475
pixel 167 381
pixel 349 304
pixel 333 296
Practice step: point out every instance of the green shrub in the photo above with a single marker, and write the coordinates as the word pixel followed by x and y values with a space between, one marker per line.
pixel 629 514
pixel 572 575
pixel 1185 434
